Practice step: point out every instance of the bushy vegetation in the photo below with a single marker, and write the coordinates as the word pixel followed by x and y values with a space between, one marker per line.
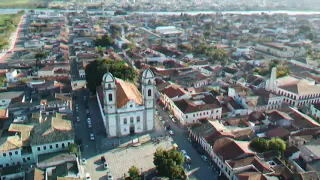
pixel 96 69
pixel 8 24
pixel 262 145
pixel 169 164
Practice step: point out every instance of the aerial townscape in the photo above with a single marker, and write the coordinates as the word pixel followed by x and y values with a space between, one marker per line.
pixel 159 90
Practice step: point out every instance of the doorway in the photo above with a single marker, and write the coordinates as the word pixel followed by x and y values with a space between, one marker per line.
pixel 131 129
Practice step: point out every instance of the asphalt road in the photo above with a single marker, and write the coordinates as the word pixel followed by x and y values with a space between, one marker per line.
pixel 201 169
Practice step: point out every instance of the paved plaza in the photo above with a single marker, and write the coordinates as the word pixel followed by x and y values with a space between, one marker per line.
pixel 125 156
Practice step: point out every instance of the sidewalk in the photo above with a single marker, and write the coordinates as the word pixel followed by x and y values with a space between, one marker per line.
pixel 13 40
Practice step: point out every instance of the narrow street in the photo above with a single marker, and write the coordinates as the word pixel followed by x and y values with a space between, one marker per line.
pixel 202 170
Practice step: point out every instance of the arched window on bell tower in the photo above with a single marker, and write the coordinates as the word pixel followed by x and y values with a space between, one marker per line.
pixel 110 97
pixel 149 92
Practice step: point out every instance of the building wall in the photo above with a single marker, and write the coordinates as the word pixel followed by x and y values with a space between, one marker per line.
pixel 315 112
pixel 49 148
pixel 10 158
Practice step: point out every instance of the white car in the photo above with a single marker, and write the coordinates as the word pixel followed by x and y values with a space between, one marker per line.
pixel 157 112
pixel 89 125
pixel 171 132
pixel 89 120
pixel 91 136
pixel 173 120
pixel 160 118
pixel 184 152
pixel 88 177
pixel 78 119
pixel 84 161
pixel 87 110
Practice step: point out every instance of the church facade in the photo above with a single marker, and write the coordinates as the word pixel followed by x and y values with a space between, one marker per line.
pixel 124 109
pixel 295 91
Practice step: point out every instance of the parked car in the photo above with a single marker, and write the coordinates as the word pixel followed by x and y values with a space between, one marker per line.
pixel 187 159
pixel 83 161
pixel 171 132
pixel 89 125
pixel 88 177
pixel 78 119
pixel 157 112
pixel 91 136
pixel 204 158
pixel 173 120
pixel 184 152
pixel 87 110
pixel 160 118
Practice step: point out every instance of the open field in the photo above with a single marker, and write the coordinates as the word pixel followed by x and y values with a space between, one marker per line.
pixel 14 3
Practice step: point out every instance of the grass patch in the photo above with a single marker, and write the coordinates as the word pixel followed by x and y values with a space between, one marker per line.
pixel 20 3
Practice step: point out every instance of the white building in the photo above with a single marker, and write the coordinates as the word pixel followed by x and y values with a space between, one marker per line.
pixel 315 111
pixel 281 50
pixel 11 75
pixel 123 108
pixel 296 92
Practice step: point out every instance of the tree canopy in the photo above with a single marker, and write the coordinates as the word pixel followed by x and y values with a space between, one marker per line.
pixel 104 41
pixel 96 69
pixel 134 173
pixel 119 12
pixel 263 145
pixel 169 163
pixel 115 29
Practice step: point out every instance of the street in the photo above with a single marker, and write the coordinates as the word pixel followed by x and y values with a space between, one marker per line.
pixel 203 170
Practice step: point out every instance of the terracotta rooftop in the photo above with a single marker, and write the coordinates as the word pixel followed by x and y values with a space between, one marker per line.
pixel 279 132
pixel 260 165
pixel 207 102
pixel 35 174
pixel 53 129
pixel 229 149
pixel 173 91
pixel 301 120
pixel 127 91
pixel 10 143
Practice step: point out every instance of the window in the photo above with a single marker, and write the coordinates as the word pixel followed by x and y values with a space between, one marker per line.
pixel 57 145
pixel 193 115
pixel 38 148
pixel 109 86
pixel 62 145
pixel 149 82
pixel 44 147
pixel 138 119
pixel 7 164
pixel 28 158
pixel 149 92
pixel 24 160
pixel 50 146
pixel 110 97
pixel 125 121
pixel 131 120
pixel 4 154
pixel 131 106
pixel 187 117
pixel 16 152
pixel 69 143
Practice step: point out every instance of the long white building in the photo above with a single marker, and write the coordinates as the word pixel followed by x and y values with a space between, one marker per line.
pixel 124 109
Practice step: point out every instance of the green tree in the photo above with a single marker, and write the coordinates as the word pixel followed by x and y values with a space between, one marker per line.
pixel 119 12
pixel 134 173
pixel 259 145
pixel 104 41
pixel 3 81
pixel 40 55
pixel 73 148
pixel 129 46
pixel 96 69
pixel 115 29
pixel 169 163
pixel 277 144
pixel 186 47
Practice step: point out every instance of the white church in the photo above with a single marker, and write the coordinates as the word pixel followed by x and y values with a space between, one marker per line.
pixel 124 109
pixel 295 91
